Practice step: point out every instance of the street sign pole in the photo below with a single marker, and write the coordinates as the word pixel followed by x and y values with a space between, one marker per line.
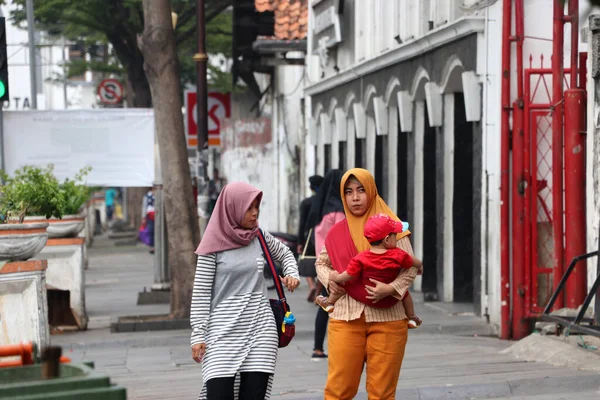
pixel 201 59
pixel 31 35
pixel 2 153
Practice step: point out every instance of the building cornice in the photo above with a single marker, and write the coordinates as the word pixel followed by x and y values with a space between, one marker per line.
pixel 436 38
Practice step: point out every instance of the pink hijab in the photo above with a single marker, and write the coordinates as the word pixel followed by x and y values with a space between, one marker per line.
pixel 224 231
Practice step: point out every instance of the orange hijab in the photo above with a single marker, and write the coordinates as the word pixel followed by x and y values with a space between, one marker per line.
pixel 356 225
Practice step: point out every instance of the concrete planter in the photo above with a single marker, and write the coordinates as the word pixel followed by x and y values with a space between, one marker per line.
pixel 20 242
pixel 23 304
pixel 68 226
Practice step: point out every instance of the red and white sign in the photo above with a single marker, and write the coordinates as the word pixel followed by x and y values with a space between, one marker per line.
pixel 110 91
pixel 219 108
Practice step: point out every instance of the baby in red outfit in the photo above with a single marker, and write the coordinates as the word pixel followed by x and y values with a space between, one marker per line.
pixel 381 262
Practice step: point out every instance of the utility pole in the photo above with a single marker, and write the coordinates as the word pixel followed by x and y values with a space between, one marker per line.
pixel 201 59
pixel 31 35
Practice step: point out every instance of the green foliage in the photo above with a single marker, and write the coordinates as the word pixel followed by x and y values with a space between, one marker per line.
pixel 219 33
pixel 31 191
pixel 75 192
pixel 97 22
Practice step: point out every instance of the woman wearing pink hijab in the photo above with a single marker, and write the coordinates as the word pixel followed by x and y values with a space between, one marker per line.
pixel 234 333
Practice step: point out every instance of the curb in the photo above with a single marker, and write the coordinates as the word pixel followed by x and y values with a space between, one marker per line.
pixel 121 326
pixel 154 297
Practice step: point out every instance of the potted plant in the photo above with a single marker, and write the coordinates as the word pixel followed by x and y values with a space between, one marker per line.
pixel 72 220
pixel 32 190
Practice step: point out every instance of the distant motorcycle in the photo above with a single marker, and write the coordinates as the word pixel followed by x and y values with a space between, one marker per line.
pixel 291 241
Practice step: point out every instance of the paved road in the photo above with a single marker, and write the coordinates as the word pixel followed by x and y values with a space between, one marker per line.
pixel 449 357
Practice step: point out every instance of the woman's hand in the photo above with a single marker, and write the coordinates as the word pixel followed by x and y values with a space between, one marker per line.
pixel 379 291
pixel 335 288
pixel 198 351
pixel 290 283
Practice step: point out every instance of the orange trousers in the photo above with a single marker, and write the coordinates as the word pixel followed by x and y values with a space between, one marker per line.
pixel 350 344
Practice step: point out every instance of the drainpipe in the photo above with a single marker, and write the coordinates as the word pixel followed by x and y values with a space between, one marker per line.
pixel 505 323
pixel 519 322
pixel 575 224
pixel 485 306
pixel 557 145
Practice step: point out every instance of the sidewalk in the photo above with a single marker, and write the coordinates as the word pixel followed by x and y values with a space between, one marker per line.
pixel 444 359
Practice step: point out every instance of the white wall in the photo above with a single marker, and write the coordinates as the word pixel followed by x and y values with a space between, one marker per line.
pixel 592 173
pixel 289 127
pixel 254 162
pixel 270 165
pixel 490 263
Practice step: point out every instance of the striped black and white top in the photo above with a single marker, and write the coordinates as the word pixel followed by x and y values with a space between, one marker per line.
pixel 231 312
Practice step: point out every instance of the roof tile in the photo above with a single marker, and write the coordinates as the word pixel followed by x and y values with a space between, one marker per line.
pixel 291 17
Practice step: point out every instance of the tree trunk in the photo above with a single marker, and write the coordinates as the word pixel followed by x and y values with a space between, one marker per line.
pixel 161 65
pixel 135 197
pixel 138 89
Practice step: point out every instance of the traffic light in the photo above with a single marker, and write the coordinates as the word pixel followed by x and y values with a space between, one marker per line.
pixel 3 62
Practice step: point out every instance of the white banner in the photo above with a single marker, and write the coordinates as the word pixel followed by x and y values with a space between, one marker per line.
pixel 117 143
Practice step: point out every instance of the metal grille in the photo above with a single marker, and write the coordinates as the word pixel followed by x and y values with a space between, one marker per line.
pixel 540 258
pixel 542 235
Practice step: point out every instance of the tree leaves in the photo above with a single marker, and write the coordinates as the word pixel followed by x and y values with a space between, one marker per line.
pixel 36 191
pixel 31 191
pixel 119 22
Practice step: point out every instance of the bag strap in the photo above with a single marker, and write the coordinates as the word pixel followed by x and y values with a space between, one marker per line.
pixel 269 259
pixel 307 242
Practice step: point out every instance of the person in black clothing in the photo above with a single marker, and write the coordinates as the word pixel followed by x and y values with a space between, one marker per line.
pixel 327 209
pixel 305 206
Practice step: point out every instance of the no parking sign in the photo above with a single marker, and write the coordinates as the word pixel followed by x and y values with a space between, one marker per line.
pixel 110 91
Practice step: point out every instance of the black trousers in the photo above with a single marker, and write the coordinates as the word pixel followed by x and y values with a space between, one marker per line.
pixel 321 321
pixel 253 386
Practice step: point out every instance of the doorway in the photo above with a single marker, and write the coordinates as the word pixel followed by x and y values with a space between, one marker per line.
pixel 342 151
pixel 402 166
pixel 462 208
pixel 381 158
pixel 360 155
pixel 430 275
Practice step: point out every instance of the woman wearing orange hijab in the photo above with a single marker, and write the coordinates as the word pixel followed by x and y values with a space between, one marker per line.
pixel 357 332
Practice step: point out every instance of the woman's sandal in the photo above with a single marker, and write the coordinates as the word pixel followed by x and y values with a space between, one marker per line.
pixel 414 322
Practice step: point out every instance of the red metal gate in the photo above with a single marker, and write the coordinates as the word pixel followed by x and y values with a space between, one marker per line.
pixel 539 213
pixel 540 270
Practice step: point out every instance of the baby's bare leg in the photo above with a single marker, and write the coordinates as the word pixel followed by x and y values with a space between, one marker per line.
pixel 408 304
pixel 409 307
